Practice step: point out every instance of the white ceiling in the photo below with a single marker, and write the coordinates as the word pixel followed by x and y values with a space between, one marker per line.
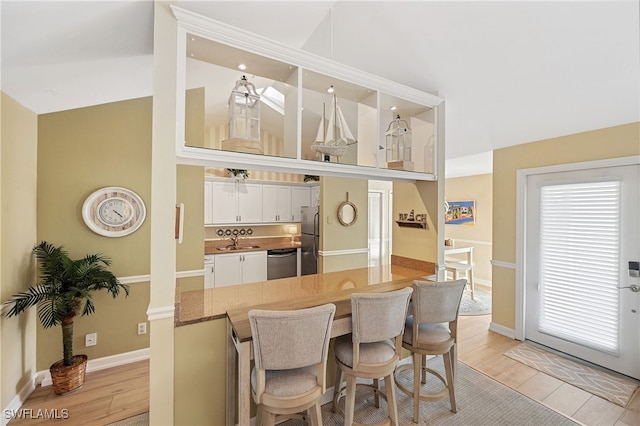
pixel 511 72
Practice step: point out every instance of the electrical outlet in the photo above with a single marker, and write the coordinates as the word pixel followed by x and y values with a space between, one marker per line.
pixel 91 339
pixel 142 328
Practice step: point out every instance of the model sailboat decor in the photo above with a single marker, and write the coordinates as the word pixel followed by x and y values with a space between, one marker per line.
pixel 244 119
pixel 334 138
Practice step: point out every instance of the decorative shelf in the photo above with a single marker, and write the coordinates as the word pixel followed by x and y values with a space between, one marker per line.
pixel 412 224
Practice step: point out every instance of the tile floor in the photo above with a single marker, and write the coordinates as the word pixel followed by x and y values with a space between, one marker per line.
pixel 483 349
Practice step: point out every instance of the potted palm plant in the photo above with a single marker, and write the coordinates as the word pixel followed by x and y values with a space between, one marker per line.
pixel 64 291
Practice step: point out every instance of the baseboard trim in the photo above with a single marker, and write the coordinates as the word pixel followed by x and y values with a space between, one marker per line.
pixel 18 400
pixel 44 377
pixel 500 329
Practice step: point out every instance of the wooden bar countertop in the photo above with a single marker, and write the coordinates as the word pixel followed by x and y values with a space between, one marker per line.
pixel 288 293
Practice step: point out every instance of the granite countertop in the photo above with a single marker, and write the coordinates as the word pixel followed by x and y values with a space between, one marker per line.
pixel 208 304
pixel 264 243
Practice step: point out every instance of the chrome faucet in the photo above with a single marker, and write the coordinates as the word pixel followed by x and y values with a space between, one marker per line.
pixel 234 240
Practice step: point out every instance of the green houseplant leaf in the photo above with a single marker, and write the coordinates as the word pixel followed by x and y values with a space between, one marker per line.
pixel 65 289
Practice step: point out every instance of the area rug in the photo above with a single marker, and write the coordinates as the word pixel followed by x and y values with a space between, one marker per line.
pixel 481 304
pixel 139 420
pixel 608 386
pixel 480 401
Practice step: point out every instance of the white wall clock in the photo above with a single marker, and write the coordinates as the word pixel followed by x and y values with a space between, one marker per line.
pixel 113 211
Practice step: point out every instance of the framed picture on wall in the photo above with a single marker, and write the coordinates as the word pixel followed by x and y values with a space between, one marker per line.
pixel 461 213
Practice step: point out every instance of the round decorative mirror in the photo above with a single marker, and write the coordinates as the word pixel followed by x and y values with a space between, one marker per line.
pixel 347 212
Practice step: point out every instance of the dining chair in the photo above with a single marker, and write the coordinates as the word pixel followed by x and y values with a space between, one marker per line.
pixel 290 351
pixel 373 348
pixel 458 269
pixel 431 329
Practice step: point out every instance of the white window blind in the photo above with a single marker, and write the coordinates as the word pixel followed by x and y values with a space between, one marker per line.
pixel 579 263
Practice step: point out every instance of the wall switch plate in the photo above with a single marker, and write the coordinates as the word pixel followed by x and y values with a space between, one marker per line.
pixel 91 339
pixel 142 328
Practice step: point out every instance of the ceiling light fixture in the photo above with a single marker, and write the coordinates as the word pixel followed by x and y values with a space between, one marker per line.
pixel 242 67
pixel 393 108
pixel 330 89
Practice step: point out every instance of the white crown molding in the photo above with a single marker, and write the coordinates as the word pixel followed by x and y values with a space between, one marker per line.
pixel 245 40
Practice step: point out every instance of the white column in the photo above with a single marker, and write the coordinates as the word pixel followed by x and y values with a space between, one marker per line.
pixel 163 200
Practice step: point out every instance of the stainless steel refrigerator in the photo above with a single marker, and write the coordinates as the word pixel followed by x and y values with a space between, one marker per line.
pixel 310 240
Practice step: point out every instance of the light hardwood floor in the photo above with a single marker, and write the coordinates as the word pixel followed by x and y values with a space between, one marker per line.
pixel 121 392
pixel 107 396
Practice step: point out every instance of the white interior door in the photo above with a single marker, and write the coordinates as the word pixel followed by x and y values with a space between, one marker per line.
pixel 582 232
pixel 375 228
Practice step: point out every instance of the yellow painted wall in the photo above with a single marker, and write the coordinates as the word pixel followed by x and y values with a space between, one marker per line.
pixel 200 373
pixel 333 235
pixel 80 151
pixel 479 189
pixel 416 243
pixel 190 190
pixel 18 153
pixel 613 142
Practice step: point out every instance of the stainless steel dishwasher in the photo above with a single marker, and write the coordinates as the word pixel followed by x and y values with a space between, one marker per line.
pixel 282 263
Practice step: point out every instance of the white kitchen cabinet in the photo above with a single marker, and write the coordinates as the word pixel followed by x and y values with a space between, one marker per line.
pixel 254 267
pixel 209 271
pixel 231 202
pixel 249 202
pixel 240 268
pixel 276 206
pixel 208 202
pixel 300 197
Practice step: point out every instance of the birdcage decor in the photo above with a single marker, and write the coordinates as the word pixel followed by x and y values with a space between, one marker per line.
pixel 244 118
pixel 398 145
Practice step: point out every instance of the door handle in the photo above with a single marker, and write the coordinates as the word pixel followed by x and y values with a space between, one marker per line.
pixel 634 288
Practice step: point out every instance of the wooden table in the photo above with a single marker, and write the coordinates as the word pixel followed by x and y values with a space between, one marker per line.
pixel 239 345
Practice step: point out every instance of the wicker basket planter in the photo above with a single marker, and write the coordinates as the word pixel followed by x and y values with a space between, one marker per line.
pixel 68 378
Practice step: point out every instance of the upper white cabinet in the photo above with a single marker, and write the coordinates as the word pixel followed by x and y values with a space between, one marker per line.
pixel 227 201
pixel 316 116
pixel 276 203
pixel 231 202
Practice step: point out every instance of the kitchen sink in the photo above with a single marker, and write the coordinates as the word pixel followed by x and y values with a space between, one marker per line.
pixel 233 248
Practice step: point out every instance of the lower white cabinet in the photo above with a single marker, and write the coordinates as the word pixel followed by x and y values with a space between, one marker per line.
pixel 209 271
pixel 240 268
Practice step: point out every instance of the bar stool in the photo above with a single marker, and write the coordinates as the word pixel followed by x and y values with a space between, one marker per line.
pixel 373 348
pixel 290 350
pixel 431 329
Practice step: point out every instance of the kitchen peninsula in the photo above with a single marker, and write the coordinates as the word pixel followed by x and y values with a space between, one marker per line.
pixel 197 306
pixel 201 326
